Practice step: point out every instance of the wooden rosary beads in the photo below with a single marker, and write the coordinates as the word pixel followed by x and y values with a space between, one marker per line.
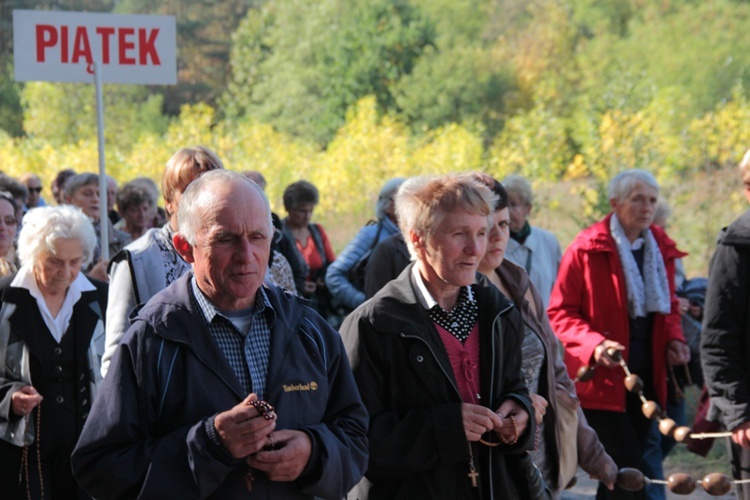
pixel 508 441
pixel 25 453
pixel 264 408
pixel 650 409
pixel 267 411
pixel 473 474
pixel 715 484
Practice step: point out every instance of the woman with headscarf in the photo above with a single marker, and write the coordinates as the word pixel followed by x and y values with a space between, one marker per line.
pixel 615 290
pixel 553 394
pixel 52 338
pixel 437 357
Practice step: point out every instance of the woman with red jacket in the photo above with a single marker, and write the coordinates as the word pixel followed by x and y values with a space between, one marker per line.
pixel 615 289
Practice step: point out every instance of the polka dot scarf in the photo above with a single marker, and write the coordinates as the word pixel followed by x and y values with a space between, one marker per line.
pixel 461 319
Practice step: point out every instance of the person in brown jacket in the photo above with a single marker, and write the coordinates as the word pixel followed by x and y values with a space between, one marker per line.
pixel 564 439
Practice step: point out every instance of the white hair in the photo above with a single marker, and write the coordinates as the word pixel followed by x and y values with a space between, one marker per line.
pixel 43 226
pixel 197 199
pixel 77 181
pixel 519 185
pixel 626 181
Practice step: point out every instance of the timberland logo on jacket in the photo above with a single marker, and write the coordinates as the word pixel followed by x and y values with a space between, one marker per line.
pixel 311 386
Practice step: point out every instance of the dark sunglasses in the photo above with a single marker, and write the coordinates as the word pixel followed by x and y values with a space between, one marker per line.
pixel 35 190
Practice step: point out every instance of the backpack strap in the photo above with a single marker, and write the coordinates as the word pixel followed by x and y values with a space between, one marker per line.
pixel 168 352
pixel 318 240
pixel 377 236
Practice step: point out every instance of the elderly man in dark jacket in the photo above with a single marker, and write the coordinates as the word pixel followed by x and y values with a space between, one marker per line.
pixel 725 344
pixel 179 414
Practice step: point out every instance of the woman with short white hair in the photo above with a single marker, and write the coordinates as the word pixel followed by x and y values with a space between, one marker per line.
pixel 615 290
pixel 436 354
pixel 51 340
pixel 536 250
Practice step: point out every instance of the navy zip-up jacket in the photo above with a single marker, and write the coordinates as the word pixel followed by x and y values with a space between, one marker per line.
pixel 146 437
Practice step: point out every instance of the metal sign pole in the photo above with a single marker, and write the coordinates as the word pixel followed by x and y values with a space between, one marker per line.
pixel 103 215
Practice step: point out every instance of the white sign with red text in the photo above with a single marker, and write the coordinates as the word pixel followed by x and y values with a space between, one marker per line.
pixel 56 46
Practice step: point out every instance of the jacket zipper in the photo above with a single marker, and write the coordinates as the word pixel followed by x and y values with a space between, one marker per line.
pixel 490 465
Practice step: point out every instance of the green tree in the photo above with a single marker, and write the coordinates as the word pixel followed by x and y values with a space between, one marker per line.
pixel 204 32
pixel 11 114
pixel 465 84
pixel 534 144
pixel 65 113
pixel 315 58
pixel 696 47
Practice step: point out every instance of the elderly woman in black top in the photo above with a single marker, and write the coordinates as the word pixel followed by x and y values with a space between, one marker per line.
pixel 51 340
pixel 437 358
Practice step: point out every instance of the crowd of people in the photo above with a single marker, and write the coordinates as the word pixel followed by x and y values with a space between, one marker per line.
pixel 222 351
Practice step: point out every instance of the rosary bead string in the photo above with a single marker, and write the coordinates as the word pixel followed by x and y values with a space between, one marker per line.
pixel 514 440
pixel 264 408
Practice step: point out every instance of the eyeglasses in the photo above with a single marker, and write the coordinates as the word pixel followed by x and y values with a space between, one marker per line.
pixel 10 221
pixel 35 190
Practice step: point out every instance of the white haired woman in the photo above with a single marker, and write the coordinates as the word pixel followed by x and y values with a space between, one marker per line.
pixel 437 357
pixel 51 340
pixel 616 290
pixel 531 247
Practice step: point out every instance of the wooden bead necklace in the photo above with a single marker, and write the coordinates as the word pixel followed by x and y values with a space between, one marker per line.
pixel 715 484
pixel 650 409
pixel 630 479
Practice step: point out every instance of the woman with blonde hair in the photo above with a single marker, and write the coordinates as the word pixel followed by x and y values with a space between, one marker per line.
pixel 150 263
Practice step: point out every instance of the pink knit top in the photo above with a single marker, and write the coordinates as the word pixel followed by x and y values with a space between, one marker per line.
pixel 464 360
